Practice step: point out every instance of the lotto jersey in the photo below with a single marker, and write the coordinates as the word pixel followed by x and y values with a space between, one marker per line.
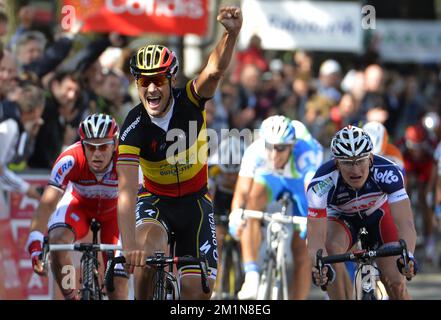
pixel 173 162
pixel 328 194
pixel 72 174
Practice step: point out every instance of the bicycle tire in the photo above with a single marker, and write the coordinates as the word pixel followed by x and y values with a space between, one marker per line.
pixel 223 290
pixel 159 285
pixel 87 278
pixel 238 268
pixel 266 279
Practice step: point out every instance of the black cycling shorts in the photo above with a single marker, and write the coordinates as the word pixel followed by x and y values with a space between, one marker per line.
pixel 190 218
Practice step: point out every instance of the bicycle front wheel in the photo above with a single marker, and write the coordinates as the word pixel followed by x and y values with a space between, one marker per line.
pixel 266 280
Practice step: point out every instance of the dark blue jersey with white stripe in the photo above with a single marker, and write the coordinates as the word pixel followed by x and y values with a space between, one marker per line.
pixel 328 194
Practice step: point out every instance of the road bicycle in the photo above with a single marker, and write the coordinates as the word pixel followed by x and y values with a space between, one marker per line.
pixel 165 283
pixel 230 274
pixel 367 273
pixel 273 284
pixel 91 286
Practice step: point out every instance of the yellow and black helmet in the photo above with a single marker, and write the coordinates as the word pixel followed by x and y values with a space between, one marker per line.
pixel 153 60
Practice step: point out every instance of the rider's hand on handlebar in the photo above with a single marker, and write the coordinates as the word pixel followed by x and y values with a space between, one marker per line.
pixel 236 223
pixel 34 247
pixel 327 276
pixel 412 266
pixel 134 258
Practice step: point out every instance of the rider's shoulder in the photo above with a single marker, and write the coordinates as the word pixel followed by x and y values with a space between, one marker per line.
pixel 326 168
pixel 381 162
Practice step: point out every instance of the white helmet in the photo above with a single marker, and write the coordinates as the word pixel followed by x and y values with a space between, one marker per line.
pixel 278 130
pixel 378 134
pixel 230 154
pixel 301 130
pixel 351 141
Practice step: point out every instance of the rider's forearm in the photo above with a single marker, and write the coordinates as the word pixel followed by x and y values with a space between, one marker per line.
pixel 316 237
pixel 47 206
pixel 126 217
pixel 243 186
pixel 220 58
pixel 403 218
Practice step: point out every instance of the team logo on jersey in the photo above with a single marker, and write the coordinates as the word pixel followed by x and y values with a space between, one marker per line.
pixel 129 128
pixel 387 176
pixel 154 145
pixel 62 168
pixel 323 187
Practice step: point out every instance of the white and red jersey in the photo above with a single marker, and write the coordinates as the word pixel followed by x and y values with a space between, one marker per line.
pixel 72 174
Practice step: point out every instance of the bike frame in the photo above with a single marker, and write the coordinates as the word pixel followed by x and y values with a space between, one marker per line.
pixel 91 288
pixel 273 280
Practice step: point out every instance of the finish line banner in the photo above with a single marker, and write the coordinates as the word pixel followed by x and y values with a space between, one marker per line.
pixel 134 17
pixel 309 25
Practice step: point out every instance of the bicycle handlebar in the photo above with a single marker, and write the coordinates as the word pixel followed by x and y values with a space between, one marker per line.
pixel 83 247
pixel 74 247
pixel 361 255
pixel 276 216
pixel 160 262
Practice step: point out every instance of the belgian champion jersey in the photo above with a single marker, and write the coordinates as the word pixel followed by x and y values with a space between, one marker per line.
pixel 173 162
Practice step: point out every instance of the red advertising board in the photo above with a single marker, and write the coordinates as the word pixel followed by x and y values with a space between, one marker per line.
pixel 134 17
pixel 21 210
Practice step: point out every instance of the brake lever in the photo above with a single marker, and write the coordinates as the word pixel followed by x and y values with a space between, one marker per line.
pixel 319 266
pixel 44 254
pixel 405 255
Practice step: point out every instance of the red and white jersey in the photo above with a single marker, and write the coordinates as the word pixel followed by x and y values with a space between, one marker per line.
pixel 71 173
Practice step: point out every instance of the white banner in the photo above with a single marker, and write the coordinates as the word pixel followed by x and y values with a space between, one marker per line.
pixel 409 41
pixel 289 25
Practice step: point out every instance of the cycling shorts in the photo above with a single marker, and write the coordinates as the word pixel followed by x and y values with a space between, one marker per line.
pixel 71 213
pixel 190 218
pixel 379 225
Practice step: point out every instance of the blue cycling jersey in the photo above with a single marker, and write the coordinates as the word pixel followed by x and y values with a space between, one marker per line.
pixel 293 178
pixel 329 195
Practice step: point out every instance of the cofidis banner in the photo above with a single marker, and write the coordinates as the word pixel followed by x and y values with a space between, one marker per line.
pixel 134 17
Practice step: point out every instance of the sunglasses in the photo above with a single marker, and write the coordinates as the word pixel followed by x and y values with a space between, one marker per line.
pixel 102 147
pixel 356 162
pixel 158 81
pixel 278 147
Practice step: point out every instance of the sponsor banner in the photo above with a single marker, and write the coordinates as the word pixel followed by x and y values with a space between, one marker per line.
pixel 310 25
pixel 409 41
pixel 134 17
pixel 11 282
pixel 21 210
pixel 21 206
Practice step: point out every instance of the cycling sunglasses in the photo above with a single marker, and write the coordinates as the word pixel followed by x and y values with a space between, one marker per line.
pixel 158 80
pixel 102 147
pixel 355 162
pixel 278 147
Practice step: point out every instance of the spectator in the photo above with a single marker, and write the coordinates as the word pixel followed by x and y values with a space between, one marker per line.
pixel 253 54
pixel 8 77
pixel 61 116
pixel 3 24
pixel 26 15
pixel 17 122
pixel 29 47
pixel 329 80
pixel 248 96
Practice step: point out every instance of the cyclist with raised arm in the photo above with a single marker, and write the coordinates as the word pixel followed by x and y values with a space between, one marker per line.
pixel 358 189
pixel 83 185
pixel 288 166
pixel 165 135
